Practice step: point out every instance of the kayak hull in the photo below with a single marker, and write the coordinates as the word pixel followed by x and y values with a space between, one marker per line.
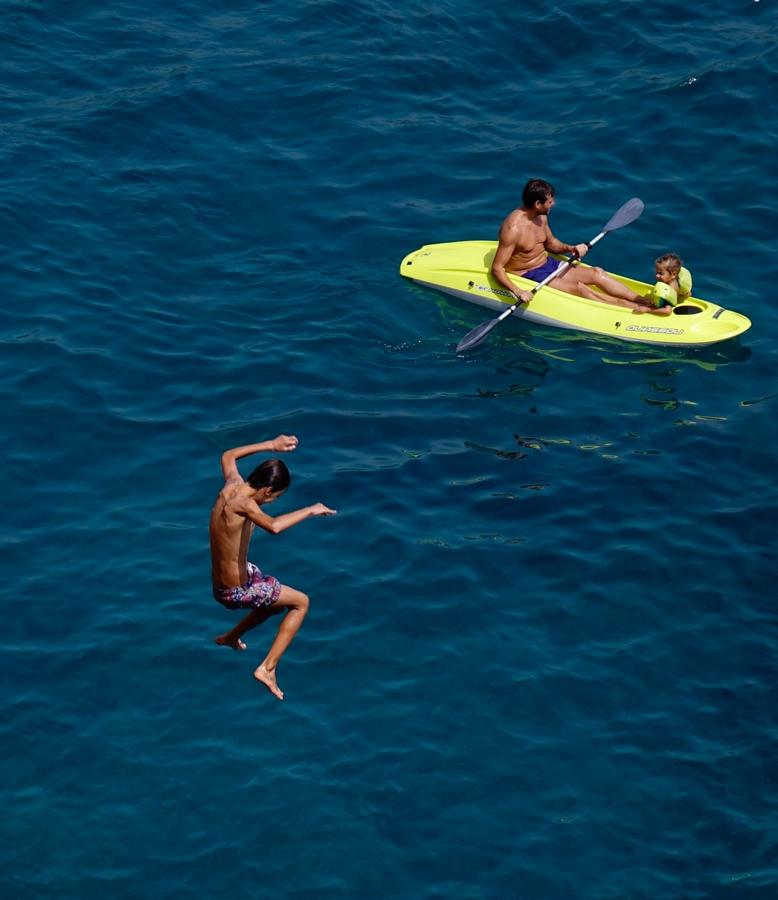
pixel 462 269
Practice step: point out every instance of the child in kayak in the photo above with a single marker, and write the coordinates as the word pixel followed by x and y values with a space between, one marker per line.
pixel 673 286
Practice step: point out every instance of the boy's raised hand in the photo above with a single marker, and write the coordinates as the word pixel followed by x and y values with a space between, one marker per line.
pixel 284 443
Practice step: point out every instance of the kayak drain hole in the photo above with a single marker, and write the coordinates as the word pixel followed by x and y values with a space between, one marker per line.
pixel 687 310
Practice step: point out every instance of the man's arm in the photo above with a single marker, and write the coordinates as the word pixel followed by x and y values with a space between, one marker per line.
pixel 553 245
pixel 277 524
pixel 284 443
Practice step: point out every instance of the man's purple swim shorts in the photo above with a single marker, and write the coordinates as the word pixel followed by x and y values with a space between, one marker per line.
pixel 541 272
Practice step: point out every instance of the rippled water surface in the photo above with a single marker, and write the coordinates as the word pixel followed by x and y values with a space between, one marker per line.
pixel 540 660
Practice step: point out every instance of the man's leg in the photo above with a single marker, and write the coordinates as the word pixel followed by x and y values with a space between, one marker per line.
pixel 585 291
pixel 295 603
pixel 577 280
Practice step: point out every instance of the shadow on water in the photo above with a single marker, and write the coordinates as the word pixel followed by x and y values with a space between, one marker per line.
pixel 603 448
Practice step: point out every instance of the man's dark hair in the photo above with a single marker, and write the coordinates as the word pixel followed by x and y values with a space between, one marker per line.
pixel 536 189
pixel 271 473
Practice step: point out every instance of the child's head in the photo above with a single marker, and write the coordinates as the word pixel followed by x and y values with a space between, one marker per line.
pixel 272 474
pixel 667 267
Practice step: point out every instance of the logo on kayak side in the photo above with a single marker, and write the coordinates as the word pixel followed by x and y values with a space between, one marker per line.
pixel 654 329
pixel 489 290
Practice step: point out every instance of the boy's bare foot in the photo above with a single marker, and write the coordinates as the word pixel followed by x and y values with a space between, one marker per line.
pixel 269 680
pixel 225 641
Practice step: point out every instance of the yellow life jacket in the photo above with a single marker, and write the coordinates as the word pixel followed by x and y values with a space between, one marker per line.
pixel 662 294
pixel 684 283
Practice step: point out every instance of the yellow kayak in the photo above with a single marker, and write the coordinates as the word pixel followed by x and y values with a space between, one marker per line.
pixel 462 268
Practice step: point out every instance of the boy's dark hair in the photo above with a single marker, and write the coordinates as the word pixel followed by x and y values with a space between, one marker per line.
pixel 536 189
pixel 271 473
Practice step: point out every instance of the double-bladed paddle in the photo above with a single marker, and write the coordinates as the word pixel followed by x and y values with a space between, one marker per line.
pixel 624 216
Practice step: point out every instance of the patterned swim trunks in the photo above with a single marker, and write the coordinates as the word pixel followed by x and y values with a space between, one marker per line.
pixel 260 590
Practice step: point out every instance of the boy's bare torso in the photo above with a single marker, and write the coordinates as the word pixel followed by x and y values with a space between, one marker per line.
pixel 230 535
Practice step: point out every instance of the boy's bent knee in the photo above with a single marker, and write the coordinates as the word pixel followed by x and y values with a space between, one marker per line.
pixel 291 598
pixel 302 601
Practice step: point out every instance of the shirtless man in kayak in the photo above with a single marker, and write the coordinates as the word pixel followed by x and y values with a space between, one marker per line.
pixel 525 242
pixel 237 583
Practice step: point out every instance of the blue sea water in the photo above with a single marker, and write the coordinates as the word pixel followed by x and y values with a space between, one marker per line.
pixel 542 652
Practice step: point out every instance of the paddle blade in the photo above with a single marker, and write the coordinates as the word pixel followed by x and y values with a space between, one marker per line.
pixel 628 213
pixel 473 338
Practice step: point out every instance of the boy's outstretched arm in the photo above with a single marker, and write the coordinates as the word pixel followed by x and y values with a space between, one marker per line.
pixel 277 524
pixel 284 443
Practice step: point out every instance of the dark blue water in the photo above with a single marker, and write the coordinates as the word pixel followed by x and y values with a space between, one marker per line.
pixel 541 657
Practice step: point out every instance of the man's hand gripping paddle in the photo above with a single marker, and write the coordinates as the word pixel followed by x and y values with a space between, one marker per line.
pixel 624 216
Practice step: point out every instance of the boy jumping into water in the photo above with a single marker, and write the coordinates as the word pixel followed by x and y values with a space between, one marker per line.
pixel 237 584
